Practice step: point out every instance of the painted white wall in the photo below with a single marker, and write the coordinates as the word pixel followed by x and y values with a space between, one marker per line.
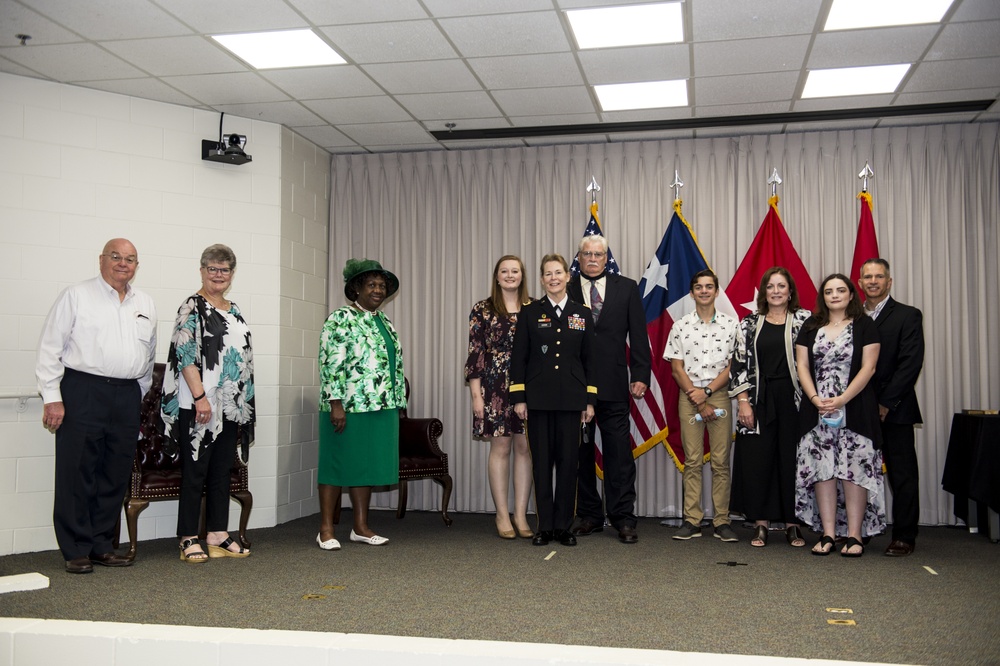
pixel 78 167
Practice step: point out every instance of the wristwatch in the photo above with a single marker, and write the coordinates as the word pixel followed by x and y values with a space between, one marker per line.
pixel 708 392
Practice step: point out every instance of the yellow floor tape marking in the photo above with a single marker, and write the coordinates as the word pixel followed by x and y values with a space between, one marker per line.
pixel 309 597
pixel 550 556
pixel 931 571
pixel 839 610
pixel 843 622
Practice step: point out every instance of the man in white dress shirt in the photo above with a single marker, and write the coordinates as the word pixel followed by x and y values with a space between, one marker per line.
pixel 95 362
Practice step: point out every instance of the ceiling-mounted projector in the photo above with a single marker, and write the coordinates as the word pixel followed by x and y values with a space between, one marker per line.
pixel 229 150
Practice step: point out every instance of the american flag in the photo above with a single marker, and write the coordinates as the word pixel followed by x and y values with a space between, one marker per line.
pixel 594 229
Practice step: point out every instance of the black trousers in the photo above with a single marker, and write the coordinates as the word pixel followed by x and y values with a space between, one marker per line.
pixel 899 452
pixel 209 474
pixel 554 439
pixel 95 446
pixel 619 469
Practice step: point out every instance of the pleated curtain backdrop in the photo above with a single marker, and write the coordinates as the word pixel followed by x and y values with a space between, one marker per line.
pixel 440 220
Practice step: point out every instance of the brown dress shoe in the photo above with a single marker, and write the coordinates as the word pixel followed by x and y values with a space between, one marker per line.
pixel 627 534
pixel 586 527
pixel 79 565
pixel 899 549
pixel 111 560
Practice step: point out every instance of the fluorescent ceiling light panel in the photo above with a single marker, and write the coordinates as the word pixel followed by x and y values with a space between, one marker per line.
pixel 627 26
pixel 647 95
pixel 285 48
pixel 854 81
pixel 851 14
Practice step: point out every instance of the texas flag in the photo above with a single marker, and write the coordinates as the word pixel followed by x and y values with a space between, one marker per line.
pixel 666 297
pixel 770 247
pixel 866 244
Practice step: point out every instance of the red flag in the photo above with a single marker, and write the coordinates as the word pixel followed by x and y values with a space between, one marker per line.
pixel 770 247
pixel 866 244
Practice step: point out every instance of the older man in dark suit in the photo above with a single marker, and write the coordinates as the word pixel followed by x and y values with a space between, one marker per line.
pixel 900 360
pixel 616 308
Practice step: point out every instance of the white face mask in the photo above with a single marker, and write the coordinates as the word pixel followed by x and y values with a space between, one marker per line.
pixel 834 419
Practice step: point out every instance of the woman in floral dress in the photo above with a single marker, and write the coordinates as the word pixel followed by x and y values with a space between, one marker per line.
pixel 839 483
pixel 208 401
pixel 491 337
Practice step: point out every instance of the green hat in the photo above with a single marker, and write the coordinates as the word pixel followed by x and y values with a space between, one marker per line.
pixel 356 267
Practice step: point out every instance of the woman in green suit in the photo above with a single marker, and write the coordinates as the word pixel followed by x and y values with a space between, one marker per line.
pixel 361 391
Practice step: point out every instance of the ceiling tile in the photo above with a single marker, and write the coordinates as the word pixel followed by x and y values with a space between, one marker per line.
pixel 387 134
pixel 466 123
pixel 324 136
pixel 542 101
pixel 390 42
pixel 292 113
pixel 564 119
pixel 235 88
pixel 72 62
pixel 344 12
pixel 18 19
pixel 941 96
pixel 967 40
pixel 442 8
pixel 662 62
pixel 725 19
pixel 146 88
pixel 111 19
pixel 425 76
pixel 527 71
pixel 322 82
pixel 353 110
pixel 760 108
pixel 644 115
pixel 172 56
pixel 977 10
pixel 745 56
pixel 449 105
pixel 954 74
pixel 229 16
pixel 715 90
pixel 876 46
pixel 507 34
pixel 827 103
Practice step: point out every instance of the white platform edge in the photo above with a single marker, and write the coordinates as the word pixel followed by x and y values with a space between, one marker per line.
pixel 26 641
pixel 23 582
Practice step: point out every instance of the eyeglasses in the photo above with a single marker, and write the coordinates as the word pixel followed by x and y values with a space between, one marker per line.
pixel 215 270
pixel 594 255
pixel 131 259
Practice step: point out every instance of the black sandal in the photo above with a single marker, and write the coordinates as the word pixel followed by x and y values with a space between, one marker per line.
pixel 222 550
pixel 194 557
pixel 851 543
pixel 760 534
pixel 827 540
pixel 793 534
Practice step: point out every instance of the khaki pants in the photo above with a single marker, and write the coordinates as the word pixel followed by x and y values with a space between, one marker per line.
pixel 720 433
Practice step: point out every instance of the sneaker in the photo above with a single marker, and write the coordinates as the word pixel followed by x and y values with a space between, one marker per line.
pixel 687 531
pixel 726 533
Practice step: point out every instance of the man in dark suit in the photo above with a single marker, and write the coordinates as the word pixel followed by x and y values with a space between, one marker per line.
pixel 900 360
pixel 616 308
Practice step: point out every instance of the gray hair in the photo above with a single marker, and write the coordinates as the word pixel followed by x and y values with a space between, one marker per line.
pixel 219 254
pixel 596 238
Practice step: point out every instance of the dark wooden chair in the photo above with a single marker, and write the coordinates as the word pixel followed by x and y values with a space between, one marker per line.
pixel 156 475
pixel 420 457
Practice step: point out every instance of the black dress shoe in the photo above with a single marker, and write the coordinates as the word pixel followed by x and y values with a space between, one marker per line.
pixel 542 539
pixel 111 560
pixel 899 549
pixel 587 526
pixel 79 565
pixel 627 534
pixel 566 538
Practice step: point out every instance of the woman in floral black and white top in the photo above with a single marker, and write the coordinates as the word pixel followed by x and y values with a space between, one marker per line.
pixel 208 404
